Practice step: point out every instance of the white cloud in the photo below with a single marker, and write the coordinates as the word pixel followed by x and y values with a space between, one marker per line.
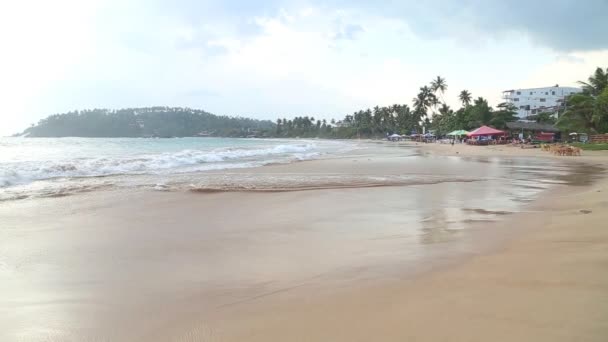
pixel 73 55
pixel 567 69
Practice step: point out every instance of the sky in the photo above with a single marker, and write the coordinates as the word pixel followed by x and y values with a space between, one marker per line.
pixel 278 58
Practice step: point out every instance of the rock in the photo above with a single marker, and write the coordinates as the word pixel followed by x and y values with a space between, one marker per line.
pixel 585 211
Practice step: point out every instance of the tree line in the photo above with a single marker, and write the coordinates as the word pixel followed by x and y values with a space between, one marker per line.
pixel 583 112
pixel 428 110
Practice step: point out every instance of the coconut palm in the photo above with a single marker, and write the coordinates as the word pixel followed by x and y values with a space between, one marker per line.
pixel 596 83
pixel 444 109
pixel 465 98
pixel 425 99
pixel 586 113
pixel 439 85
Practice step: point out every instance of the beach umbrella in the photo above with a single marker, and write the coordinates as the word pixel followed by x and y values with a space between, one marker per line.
pixel 458 132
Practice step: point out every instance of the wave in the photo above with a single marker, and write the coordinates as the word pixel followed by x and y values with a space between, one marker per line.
pixel 294 182
pixel 184 161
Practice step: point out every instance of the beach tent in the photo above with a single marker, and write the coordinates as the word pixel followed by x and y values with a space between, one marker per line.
pixel 485 130
pixel 458 133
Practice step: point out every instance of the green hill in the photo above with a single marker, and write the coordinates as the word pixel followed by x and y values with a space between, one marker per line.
pixel 147 122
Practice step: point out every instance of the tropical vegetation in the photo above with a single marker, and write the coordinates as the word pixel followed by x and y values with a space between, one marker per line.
pixel 145 122
pixel 585 112
pixel 588 111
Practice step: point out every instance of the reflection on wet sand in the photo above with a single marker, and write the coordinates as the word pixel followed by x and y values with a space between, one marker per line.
pixel 145 265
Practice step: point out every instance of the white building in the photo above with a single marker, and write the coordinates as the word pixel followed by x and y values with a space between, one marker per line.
pixel 533 101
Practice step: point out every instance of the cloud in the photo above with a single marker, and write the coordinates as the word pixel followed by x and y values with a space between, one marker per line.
pixel 348 32
pixel 568 58
pixel 279 57
pixel 563 25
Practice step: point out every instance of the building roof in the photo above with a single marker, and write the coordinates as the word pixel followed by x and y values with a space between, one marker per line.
pixel 485 130
pixel 532 126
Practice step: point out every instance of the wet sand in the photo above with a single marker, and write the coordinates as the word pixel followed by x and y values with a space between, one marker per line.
pixel 401 262
pixel 545 283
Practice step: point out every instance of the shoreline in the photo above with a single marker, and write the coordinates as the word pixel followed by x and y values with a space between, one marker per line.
pixel 545 282
pixel 496 277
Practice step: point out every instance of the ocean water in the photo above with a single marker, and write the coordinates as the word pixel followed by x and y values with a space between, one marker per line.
pixel 53 165
pixel 56 167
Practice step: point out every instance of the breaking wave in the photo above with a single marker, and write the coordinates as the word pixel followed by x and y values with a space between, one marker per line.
pixel 184 161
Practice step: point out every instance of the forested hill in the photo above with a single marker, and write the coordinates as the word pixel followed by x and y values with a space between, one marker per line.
pixel 146 122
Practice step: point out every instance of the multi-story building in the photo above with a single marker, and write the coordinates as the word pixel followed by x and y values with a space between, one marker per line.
pixel 533 101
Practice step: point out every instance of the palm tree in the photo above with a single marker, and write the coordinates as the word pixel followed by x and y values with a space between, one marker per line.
pixel 444 109
pixel 507 112
pixel 477 114
pixel 439 85
pixel 596 82
pixel 425 99
pixel 579 114
pixel 588 111
pixel 465 98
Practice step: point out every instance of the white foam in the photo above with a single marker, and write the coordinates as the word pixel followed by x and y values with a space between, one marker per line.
pixel 188 160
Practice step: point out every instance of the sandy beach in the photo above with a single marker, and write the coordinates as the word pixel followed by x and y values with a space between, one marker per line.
pixel 332 263
pixel 545 284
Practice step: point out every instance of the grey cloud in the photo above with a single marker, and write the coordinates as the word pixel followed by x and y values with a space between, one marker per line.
pixel 563 25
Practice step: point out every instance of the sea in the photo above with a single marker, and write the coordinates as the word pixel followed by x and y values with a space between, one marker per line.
pixel 57 167
pixel 48 167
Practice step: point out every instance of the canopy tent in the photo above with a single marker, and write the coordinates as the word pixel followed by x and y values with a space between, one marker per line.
pixel 485 130
pixel 458 133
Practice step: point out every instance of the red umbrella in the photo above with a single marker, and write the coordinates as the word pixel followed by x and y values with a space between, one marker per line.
pixel 485 130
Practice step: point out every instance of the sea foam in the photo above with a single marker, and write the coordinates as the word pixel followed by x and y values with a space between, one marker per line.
pixel 186 160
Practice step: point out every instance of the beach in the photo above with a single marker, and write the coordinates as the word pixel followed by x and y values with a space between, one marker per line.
pixel 390 242
pixel 543 284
